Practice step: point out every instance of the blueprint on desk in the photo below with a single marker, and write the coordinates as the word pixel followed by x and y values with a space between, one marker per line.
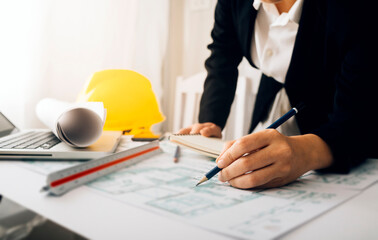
pixel 360 178
pixel 167 188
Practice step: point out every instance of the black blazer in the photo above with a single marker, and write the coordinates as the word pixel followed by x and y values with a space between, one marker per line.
pixel 330 71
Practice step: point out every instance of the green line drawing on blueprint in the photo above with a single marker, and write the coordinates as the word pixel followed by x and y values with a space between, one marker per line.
pixel 134 180
pixel 273 219
pixel 172 190
pixel 359 177
pixel 46 167
pixel 195 204
pixel 324 178
pixel 200 200
pixel 282 193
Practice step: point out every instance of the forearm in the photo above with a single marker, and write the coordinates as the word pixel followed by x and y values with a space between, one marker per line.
pixel 312 150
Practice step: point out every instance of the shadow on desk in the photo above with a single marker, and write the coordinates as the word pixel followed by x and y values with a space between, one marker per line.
pixel 17 222
pixel 51 230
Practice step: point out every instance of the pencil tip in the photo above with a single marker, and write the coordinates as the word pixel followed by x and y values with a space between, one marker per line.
pixel 204 179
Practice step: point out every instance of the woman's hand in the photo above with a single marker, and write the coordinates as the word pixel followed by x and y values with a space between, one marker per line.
pixel 270 159
pixel 207 129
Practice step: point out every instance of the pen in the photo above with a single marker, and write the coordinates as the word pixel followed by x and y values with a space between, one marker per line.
pixel 274 125
pixel 176 156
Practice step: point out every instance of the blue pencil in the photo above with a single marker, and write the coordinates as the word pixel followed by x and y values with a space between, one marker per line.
pixel 274 125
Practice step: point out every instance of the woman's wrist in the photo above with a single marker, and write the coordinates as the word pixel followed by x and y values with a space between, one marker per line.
pixel 312 150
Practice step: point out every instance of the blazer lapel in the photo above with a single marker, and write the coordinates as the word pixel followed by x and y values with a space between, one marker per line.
pixel 245 27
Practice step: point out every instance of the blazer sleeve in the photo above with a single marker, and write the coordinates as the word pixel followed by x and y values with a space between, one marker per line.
pixel 351 132
pixel 221 66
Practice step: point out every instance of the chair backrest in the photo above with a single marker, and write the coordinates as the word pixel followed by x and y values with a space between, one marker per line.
pixel 188 95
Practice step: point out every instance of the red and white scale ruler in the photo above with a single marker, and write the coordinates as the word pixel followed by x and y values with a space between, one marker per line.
pixel 61 181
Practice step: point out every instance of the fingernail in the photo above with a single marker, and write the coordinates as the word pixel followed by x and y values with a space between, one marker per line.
pixel 220 163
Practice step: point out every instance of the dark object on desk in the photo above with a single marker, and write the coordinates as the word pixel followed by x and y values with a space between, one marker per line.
pixel 274 125
pixel 147 139
pixel 176 156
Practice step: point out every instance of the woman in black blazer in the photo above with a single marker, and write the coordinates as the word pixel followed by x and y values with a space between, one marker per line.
pixel 332 71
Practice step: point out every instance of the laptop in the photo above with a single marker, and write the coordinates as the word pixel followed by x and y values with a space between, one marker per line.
pixel 42 144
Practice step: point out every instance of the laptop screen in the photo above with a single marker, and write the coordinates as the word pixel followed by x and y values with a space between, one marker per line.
pixel 6 127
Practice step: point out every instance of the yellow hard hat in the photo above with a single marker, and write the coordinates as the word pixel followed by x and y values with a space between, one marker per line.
pixel 130 103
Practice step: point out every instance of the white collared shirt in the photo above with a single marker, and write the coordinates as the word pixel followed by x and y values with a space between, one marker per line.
pixel 272 47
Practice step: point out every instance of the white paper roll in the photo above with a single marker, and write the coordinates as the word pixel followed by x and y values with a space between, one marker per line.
pixel 77 124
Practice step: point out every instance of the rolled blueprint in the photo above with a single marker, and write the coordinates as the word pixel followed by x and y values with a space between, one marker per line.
pixel 77 124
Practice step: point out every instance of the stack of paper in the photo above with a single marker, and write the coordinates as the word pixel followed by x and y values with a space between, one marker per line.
pixel 208 146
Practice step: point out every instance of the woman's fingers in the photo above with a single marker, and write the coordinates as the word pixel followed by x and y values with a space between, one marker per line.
pixel 207 129
pixel 211 131
pixel 226 146
pixel 196 128
pixel 185 130
pixel 256 178
pixel 251 162
pixel 246 144
pixel 192 129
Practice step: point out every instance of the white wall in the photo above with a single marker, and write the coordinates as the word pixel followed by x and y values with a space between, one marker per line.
pixel 49 48
pixel 198 23
pixel 191 23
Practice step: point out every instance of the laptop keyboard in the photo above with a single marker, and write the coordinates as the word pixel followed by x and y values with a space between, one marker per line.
pixel 30 140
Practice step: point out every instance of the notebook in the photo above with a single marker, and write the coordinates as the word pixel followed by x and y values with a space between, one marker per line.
pixel 211 147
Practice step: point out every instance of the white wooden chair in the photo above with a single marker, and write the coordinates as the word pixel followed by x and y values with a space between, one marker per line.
pixel 188 95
